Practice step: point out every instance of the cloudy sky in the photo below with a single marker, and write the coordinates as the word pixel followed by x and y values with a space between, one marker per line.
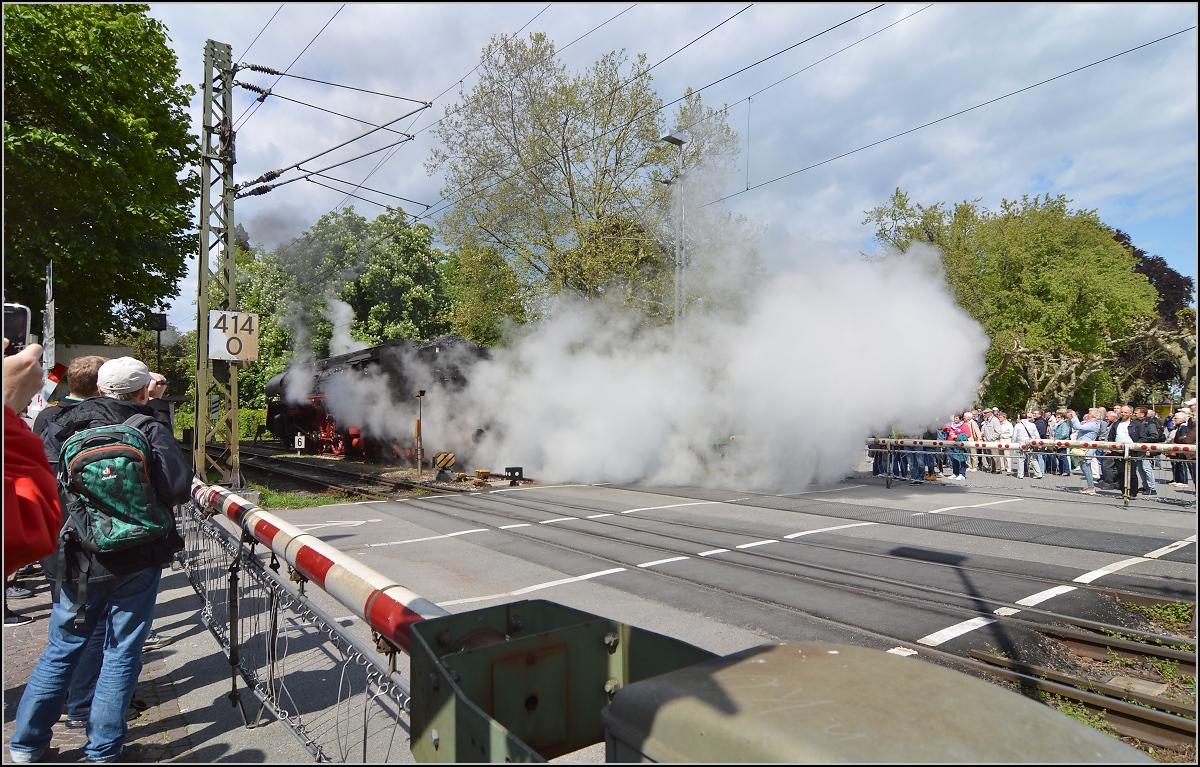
pixel 1118 137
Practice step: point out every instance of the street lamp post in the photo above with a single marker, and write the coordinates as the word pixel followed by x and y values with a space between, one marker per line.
pixel 680 285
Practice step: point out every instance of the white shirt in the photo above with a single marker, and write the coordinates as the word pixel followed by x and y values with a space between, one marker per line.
pixel 1123 432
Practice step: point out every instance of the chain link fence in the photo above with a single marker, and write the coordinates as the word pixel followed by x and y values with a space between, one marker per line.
pixel 297 663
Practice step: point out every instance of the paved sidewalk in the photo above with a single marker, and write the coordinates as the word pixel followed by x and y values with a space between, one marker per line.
pixel 185 686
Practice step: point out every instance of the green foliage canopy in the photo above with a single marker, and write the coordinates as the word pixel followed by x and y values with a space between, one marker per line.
pixel 99 166
pixel 1048 284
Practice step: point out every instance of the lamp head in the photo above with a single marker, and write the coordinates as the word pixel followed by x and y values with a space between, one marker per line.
pixel 671 138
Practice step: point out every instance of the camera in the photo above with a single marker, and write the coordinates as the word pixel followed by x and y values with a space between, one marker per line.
pixel 16 327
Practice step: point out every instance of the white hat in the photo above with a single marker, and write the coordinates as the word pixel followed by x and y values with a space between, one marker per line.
pixel 122 375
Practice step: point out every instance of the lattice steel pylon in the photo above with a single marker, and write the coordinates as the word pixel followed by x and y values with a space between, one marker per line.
pixel 216 380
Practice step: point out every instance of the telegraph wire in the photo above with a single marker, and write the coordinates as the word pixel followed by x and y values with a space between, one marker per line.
pixel 369 189
pixel 947 117
pixel 240 121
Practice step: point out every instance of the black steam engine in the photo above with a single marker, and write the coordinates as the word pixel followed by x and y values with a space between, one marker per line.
pixel 405 367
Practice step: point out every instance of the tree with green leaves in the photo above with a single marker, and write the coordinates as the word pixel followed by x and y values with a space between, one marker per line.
pixel 99 165
pixel 386 270
pixel 1051 287
pixel 562 174
pixel 485 294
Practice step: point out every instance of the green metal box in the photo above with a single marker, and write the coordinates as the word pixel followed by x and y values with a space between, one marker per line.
pixel 525 681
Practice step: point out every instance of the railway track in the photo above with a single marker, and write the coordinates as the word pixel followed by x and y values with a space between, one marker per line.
pixel 1124 711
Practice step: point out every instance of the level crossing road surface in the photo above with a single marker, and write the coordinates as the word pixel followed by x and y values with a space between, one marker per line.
pixel 907 570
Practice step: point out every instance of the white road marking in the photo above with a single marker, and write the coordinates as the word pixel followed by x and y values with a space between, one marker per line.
pixel 710 553
pixel 337 523
pixel 597 516
pixel 1034 599
pixel 958 629
pixel 672 506
pixel 431 537
pixel 811 492
pixel 756 543
pixel 1173 547
pixel 973 506
pixel 1109 569
pixel 557 519
pixel 902 651
pixel 828 529
pixel 536 587
pixel 510 527
pixel 662 561
pixel 530 487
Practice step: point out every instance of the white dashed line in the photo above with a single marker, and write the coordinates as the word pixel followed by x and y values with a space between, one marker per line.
pixel 431 537
pixel 557 519
pixel 662 561
pixel 1173 547
pixel 811 492
pixel 902 651
pixel 672 506
pixel 510 527
pixel 973 506
pixel 828 529
pixel 1035 599
pixel 958 629
pixel 1109 569
pixel 537 587
pixel 597 516
pixel 710 553
pixel 756 543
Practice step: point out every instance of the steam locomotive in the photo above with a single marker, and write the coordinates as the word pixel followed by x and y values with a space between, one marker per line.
pixel 298 403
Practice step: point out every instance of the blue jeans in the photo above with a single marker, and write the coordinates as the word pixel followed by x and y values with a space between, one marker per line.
pixel 83 683
pixel 129 601
pixel 1146 468
pixel 1085 463
pixel 916 463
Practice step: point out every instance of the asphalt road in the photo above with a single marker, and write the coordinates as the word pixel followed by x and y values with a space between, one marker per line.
pixel 856 563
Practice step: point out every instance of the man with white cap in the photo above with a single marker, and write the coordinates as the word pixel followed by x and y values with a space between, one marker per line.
pixel 122 586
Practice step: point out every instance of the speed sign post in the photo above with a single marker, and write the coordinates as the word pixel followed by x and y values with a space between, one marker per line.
pixel 232 336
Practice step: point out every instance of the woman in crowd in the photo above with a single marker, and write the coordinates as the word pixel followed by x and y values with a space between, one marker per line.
pixel 1086 431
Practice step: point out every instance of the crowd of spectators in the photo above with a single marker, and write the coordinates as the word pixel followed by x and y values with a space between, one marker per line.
pixel 1099 467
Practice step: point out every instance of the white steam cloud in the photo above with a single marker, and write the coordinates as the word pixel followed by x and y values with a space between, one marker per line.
pixel 774 396
pixel 821 360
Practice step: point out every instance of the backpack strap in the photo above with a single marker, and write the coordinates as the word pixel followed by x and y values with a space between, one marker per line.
pixel 139 420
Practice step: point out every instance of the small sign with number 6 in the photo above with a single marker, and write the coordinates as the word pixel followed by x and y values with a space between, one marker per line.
pixel 232 336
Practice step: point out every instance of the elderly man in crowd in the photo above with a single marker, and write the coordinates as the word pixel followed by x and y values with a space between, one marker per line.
pixel 990 428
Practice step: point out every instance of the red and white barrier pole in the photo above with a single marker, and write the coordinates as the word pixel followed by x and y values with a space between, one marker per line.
pixel 386 606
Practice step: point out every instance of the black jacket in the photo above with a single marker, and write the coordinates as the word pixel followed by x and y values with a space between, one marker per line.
pixel 170 473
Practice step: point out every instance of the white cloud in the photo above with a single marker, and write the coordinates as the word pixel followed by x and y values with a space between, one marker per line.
pixel 1119 137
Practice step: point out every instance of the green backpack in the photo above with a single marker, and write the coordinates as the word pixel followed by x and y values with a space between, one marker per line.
pixel 104 474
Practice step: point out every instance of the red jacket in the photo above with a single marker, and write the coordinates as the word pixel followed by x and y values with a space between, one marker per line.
pixel 32 515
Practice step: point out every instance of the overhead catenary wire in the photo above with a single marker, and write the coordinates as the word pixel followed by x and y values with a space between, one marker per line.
pixel 947 117
pixel 383 160
pixel 264 188
pixel 265 93
pixel 271 175
pixel 270 71
pixel 244 118
pixel 264 29
pixel 450 203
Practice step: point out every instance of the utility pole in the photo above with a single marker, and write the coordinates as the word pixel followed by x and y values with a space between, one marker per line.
pixel 216 379
pixel 680 276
